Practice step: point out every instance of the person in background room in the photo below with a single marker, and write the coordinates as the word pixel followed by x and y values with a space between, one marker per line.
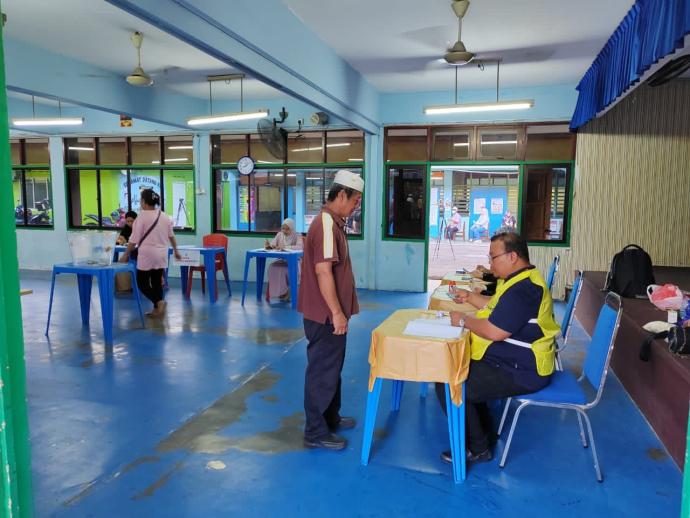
pixel 286 239
pixel 126 231
pixel 453 225
pixel 480 226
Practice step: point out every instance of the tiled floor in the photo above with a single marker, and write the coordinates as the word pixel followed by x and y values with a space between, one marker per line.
pixel 201 415
pixel 444 257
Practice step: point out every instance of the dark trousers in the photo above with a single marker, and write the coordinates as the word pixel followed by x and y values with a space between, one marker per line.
pixel 485 381
pixel 325 358
pixel 151 284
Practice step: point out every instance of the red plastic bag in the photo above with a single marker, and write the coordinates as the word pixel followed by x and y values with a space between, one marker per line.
pixel 666 297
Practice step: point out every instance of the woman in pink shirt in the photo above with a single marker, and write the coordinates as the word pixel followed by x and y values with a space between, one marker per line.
pixel 151 233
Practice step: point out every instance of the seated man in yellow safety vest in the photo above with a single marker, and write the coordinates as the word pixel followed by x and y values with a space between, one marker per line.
pixel 512 339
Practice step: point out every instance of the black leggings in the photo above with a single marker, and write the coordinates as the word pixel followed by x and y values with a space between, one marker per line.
pixel 151 284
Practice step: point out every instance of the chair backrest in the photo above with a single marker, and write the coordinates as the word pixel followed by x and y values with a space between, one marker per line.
pixel 570 306
pixel 601 346
pixel 216 240
pixel 552 271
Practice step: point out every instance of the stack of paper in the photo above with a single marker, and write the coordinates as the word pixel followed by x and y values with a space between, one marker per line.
pixel 435 328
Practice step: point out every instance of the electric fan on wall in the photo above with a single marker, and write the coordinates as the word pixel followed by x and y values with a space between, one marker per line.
pixel 274 136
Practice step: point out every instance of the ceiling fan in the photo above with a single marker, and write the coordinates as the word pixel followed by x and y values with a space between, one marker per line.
pixel 458 55
pixel 138 77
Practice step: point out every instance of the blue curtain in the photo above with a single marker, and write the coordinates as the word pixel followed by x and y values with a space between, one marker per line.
pixel 651 30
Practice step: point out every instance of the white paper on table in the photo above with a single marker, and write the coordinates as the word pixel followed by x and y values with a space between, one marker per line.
pixel 187 257
pixel 435 328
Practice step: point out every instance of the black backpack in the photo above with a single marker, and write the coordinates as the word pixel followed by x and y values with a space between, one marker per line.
pixel 631 272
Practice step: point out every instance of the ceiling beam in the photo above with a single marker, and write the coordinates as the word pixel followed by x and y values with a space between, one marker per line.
pixel 35 71
pixel 267 41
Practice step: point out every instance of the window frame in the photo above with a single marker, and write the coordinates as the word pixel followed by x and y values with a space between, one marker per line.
pixel 425 168
pixel 161 167
pixel 285 169
pixel 22 168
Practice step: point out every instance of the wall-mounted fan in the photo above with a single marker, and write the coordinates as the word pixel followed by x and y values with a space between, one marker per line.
pixel 138 77
pixel 274 136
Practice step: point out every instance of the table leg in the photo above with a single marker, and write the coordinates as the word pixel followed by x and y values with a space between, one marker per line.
pixel 456 431
pixel 210 265
pixel 137 295
pixel 184 274
pixel 397 394
pixel 292 276
pixel 260 270
pixel 226 274
pixel 423 390
pixel 50 304
pixel 370 420
pixel 106 290
pixel 247 260
pixel 84 282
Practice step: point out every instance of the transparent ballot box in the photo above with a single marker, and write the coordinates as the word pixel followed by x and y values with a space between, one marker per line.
pixel 92 247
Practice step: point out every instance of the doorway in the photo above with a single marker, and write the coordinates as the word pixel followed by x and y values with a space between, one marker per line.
pixel 467 205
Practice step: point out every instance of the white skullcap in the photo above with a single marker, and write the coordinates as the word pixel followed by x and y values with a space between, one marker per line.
pixel 349 179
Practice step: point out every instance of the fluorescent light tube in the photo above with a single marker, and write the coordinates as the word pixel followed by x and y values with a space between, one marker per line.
pixel 479 107
pixel 463 144
pixel 180 147
pixel 319 148
pixel 497 142
pixel 49 121
pixel 227 117
pixel 79 148
pixel 170 160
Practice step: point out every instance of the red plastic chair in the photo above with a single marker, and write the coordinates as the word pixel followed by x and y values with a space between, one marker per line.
pixel 209 240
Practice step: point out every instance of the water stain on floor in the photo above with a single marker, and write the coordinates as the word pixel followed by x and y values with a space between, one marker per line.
pixel 158 483
pixel 199 433
pixel 268 336
pixel 289 437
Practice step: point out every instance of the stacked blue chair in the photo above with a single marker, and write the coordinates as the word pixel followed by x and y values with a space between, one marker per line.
pixel 566 392
pixel 551 277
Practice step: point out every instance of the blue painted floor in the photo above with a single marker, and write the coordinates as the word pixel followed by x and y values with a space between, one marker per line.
pixel 201 415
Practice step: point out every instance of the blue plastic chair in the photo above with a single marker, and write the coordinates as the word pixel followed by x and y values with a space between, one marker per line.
pixel 565 332
pixel 553 271
pixel 566 392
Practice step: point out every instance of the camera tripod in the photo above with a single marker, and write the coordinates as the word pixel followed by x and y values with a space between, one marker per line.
pixel 181 206
pixel 442 226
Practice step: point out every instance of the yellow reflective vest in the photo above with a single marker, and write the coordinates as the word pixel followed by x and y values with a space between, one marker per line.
pixel 543 348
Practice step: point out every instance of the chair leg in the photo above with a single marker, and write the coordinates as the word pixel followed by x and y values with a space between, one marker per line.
pixel 423 390
pixel 583 438
pixel 510 435
pixel 370 421
pixel 203 281
pixel 600 478
pixel 559 363
pixel 190 276
pixel 397 395
pixel 505 414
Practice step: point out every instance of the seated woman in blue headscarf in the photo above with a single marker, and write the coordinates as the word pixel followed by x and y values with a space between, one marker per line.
pixel 286 239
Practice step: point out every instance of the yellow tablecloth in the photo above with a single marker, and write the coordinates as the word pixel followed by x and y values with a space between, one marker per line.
pixel 441 301
pixel 394 355
pixel 462 279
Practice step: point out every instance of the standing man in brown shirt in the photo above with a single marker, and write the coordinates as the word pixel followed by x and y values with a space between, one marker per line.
pixel 327 299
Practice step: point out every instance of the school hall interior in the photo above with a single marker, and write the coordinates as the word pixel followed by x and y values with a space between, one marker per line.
pixel 568 123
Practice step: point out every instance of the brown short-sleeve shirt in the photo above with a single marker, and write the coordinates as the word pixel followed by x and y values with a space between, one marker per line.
pixel 326 242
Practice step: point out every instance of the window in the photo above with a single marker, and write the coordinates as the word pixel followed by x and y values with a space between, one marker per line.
pixel 259 202
pixel 499 143
pixel 31 189
pixel 101 192
pixel 405 203
pixel 550 142
pixel 450 144
pixel 404 145
pixel 546 195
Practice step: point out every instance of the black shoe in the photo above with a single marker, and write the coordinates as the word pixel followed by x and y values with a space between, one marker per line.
pixel 345 423
pixel 484 456
pixel 328 442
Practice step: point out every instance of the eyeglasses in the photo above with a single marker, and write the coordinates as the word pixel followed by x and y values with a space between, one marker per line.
pixel 492 257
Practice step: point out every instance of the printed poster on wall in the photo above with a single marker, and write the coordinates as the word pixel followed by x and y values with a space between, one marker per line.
pixel 244 203
pixel 479 204
pixel 496 205
pixel 138 183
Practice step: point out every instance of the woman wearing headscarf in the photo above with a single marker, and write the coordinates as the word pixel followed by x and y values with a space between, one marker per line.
pixel 286 239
